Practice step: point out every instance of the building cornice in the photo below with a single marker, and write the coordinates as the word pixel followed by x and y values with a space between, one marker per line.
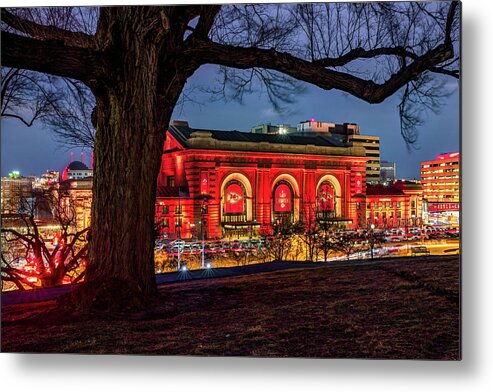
pixel 206 142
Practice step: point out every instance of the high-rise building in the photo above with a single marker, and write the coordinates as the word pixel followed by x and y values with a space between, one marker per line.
pixel 371 145
pixel 309 126
pixel 441 185
pixel 387 172
pixel 273 129
pixel 15 188
pixel 348 133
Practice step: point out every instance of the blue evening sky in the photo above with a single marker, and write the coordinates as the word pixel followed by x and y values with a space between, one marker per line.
pixel 34 150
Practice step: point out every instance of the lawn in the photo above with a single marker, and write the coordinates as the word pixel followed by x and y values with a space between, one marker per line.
pixel 405 309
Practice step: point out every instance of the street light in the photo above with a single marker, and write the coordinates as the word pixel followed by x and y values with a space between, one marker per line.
pixel 202 228
pixel 178 228
pixel 203 240
pixel 372 239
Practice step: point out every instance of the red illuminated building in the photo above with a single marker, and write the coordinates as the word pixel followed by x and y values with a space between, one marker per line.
pixel 441 183
pixel 230 184
pixel 399 205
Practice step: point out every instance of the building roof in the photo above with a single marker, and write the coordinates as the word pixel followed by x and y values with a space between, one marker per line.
pixel 408 185
pixel 77 165
pixel 73 166
pixel 380 190
pixel 76 183
pixel 183 132
pixel 399 188
pixel 81 180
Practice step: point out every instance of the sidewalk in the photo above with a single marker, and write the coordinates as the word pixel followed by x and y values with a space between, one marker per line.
pixel 18 297
pixel 233 271
pixel 38 295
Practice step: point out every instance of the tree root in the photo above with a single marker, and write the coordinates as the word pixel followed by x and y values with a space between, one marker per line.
pixel 111 299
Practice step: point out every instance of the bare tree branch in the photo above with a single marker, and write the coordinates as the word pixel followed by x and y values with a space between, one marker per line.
pixel 63 105
pixel 207 15
pixel 361 53
pixel 300 69
pixel 43 32
pixel 67 61
pixel 47 267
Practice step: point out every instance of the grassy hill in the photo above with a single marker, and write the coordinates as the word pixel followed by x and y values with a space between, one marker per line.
pixel 402 309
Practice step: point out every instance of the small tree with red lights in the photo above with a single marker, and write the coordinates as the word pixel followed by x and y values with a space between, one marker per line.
pixel 311 233
pixel 34 256
pixel 347 243
pixel 280 243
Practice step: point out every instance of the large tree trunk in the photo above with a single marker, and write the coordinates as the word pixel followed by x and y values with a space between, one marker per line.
pixel 127 159
pixel 131 116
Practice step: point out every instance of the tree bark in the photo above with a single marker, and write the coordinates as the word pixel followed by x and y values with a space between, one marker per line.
pixel 132 114
pixel 126 161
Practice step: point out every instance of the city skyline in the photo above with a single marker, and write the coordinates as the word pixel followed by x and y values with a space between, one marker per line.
pixel 440 132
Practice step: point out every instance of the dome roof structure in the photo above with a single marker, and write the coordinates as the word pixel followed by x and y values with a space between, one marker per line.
pixel 77 165
pixel 73 166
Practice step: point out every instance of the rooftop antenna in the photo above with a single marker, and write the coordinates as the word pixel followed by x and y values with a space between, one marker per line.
pixel 71 156
pixel 82 156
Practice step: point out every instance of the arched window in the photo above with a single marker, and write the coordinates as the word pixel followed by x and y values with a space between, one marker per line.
pixel 234 199
pixel 326 197
pixel 283 198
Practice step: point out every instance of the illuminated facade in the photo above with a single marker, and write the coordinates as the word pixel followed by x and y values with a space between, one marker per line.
pixel 230 184
pixel 24 197
pixel 441 185
pixel 47 180
pixel 76 198
pixel 14 190
pixel 399 205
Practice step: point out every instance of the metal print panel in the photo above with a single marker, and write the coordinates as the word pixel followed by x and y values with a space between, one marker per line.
pixel 264 180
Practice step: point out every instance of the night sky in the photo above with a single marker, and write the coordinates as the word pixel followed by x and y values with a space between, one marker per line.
pixel 34 150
